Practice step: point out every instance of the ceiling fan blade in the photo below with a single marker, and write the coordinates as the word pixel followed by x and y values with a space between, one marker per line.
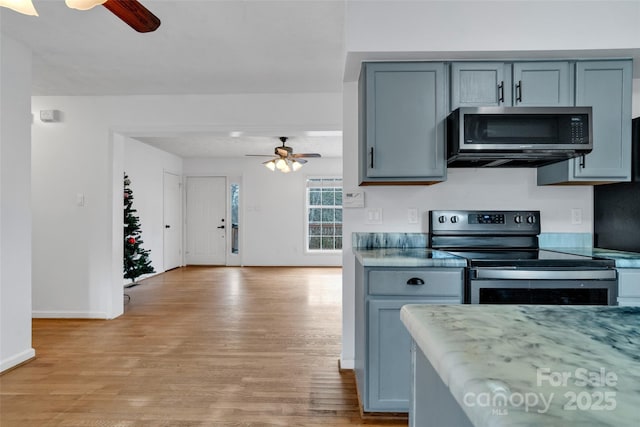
pixel 259 155
pixel 301 161
pixel 306 155
pixel 134 14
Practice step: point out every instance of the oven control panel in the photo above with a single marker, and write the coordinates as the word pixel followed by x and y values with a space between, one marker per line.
pixel 484 222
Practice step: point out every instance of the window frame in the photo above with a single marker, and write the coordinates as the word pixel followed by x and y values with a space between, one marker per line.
pixel 308 207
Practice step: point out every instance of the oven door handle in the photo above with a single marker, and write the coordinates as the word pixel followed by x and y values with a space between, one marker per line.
pixel 532 274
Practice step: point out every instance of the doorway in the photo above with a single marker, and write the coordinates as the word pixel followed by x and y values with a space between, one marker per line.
pixel 206 220
pixel 172 216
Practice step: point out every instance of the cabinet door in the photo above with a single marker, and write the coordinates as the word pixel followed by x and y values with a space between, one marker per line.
pixel 389 357
pixel 475 84
pixel 402 139
pixel 605 86
pixel 389 370
pixel 629 287
pixel 542 84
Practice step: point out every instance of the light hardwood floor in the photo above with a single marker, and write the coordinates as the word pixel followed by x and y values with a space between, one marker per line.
pixel 197 346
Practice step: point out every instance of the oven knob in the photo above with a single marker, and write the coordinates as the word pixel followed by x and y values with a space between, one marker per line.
pixel 518 219
pixel 442 219
pixel 454 219
pixel 531 219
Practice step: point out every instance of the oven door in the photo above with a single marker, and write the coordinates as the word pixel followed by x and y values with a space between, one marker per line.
pixel 508 285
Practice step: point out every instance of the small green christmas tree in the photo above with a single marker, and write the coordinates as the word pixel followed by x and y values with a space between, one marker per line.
pixel 136 259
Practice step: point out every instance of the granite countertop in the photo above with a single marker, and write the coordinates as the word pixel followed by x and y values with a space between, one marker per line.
pixel 407 257
pixel 552 365
pixel 400 250
pixel 411 250
pixel 622 259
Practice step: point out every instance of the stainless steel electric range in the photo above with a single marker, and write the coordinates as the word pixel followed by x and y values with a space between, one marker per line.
pixel 506 266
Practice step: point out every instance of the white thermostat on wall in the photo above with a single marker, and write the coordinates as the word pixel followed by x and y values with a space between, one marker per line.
pixel 353 199
pixel 49 116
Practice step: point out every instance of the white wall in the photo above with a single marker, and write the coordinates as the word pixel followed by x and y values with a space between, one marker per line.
pixel 145 165
pixel 458 29
pixel 15 214
pixel 511 25
pixel 473 29
pixel 272 209
pixel 77 257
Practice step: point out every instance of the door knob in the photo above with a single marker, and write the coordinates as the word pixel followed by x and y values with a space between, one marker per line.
pixel 222 226
pixel 167 226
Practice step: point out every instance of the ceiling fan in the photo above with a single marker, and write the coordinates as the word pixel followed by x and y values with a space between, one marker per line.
pixel 131 12
pixel 285 160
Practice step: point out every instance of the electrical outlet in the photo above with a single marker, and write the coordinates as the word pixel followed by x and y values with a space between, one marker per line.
pixel 412 216
pixel 576 216
pixel 374 216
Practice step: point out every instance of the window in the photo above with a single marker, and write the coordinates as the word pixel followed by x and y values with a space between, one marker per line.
pixel 324 214
pixel 235 225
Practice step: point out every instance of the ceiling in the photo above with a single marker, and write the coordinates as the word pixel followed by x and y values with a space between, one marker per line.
pixel 201 47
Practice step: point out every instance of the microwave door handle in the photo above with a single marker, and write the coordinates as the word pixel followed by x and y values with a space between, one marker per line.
pixel 501 92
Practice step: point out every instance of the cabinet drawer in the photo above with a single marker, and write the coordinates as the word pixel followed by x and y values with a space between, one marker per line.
pixel 445 282
pixel 628 283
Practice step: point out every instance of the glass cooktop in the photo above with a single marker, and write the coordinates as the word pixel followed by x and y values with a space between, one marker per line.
pixel 529 257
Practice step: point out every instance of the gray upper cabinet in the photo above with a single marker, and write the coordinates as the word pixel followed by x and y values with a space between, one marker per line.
pixel 542 84
pixel 402 119
pixel 526 84
pixel 606 86
pixel 476 84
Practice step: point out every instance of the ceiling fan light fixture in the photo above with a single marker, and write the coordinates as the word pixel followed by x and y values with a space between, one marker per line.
pixel 25 7
pixel 296 165
pixel 271 165
pixel 281 164
pixel 84 4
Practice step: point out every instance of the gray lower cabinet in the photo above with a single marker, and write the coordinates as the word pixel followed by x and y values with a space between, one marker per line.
pixel 402 112
pixel 522 84
pixel 383 345
pixel 629 287
pixel 606 86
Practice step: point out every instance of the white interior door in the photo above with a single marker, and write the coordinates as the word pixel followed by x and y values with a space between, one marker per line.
pixel 206 227
pixel 172 214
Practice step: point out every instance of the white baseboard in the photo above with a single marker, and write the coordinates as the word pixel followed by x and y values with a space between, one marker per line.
pixel 17 359
pixel 68 315
pixel 347 363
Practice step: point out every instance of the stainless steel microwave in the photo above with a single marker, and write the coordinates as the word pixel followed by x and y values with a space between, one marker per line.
pixel 517 136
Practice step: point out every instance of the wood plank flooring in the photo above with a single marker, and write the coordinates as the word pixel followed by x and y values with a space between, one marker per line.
pixel 197 346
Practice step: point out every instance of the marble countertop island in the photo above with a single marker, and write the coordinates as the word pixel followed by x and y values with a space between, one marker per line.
pixel 534 365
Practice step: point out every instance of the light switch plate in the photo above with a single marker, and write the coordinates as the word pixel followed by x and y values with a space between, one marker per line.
pixel 374 216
